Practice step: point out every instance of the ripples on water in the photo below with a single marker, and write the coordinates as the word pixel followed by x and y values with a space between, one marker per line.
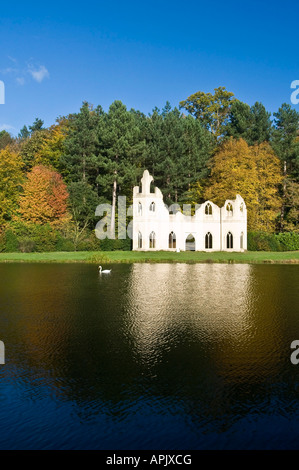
pixel 154 356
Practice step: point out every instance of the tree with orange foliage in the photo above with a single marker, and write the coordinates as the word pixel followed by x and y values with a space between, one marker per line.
pixel 45 197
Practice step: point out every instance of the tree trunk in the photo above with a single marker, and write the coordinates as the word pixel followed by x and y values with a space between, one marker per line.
pixel 112 225
pixel 84 176
pixel 84 169
pixel 97 184
pixel 284 190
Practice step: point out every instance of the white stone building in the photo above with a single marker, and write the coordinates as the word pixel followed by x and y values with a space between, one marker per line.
pixel 157 227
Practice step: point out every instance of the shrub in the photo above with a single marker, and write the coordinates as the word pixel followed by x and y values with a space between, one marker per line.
pixel 262 241
pixel 64 244
pixel 115 245
pixel 26 245
pixel 30 237
pixel 289 241
pixel 11 243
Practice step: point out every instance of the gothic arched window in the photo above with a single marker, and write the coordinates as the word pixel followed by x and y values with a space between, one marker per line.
pixel 208 241
pixel 152 240
pixel 139 208
pixel 172 240
pixel 229 240
pixel 208 209
pixel 139 240
pixel 241 240
pixel 229 209
pixel 152 207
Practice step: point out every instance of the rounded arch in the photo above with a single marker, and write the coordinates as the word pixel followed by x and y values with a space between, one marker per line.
pixel 190 243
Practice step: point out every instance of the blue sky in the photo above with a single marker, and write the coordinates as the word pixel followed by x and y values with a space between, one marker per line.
pixel 54 55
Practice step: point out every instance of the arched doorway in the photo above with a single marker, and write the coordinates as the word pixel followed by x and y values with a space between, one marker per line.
pixel 190 243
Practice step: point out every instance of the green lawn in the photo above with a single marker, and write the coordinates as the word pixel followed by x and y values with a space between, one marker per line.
pixel 107 257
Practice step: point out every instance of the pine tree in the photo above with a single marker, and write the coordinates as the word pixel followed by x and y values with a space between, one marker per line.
pixel 286 146
pixel 252 124
pixel 121 151
pixel 81 145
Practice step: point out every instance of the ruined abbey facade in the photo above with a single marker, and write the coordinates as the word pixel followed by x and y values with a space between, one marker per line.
pixel 211 228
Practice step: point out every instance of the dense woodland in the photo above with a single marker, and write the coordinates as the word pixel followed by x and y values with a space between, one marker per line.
pixel 212 146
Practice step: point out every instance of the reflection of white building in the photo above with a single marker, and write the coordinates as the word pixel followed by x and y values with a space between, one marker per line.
pixel 157 227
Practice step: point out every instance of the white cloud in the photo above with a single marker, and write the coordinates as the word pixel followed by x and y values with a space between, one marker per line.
pixel 12 59
pixel 9 70
pixel 6 127
pixel 39 74
pixel 20 80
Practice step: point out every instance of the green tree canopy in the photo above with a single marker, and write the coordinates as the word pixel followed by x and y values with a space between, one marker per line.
pixel 120 153
pixel 5 139
pixel 212 109
pixel 82 144
pixel 252 124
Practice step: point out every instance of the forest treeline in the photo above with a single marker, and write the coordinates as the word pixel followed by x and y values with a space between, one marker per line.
pixel 211 146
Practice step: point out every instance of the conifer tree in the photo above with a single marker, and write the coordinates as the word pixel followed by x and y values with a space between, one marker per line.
pixel 120 153
pixel 286 146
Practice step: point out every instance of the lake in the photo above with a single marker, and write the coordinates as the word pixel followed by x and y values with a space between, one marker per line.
pixel 152 356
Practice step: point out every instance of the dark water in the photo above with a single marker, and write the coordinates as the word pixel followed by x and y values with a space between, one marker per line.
pixel 154 356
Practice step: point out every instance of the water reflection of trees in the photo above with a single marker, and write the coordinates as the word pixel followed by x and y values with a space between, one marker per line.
pixel 200 341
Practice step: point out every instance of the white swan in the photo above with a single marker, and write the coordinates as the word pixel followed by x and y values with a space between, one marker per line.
pixel 106 271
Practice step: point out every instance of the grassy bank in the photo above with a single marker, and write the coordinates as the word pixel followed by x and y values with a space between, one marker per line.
pixel 107 257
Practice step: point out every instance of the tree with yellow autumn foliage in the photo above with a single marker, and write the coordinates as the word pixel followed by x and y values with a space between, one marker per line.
pixel 10 183
pixel 52 148
pixel 253 172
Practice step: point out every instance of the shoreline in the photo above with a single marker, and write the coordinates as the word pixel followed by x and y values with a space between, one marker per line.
pixel 189 257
